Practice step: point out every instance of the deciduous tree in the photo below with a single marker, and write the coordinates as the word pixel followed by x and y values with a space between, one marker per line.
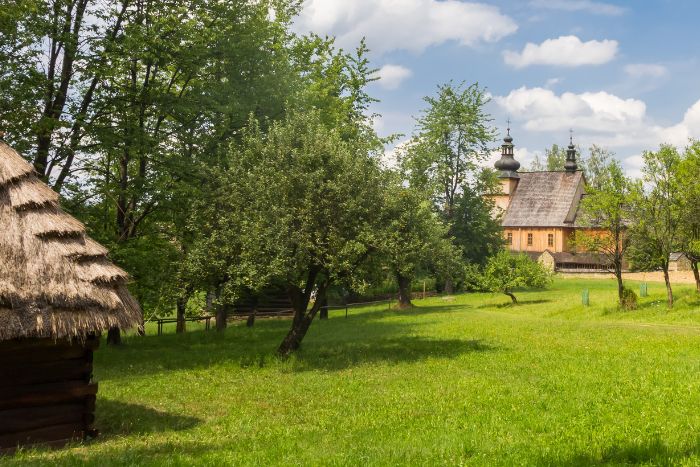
pixel 609 207
pixel 506 271
pixel 657 227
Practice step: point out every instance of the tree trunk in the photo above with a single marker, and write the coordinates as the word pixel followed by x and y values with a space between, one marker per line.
pixel 620 285
pixel 211 295
pixel 221 317
pixel 512 297
pixel 180 327
pixel 250 322
pixel 114 336
pixel 302 318
pixel 696 274
pixel 669 291
pixel 141 330
pixel 292 340
pixel 323 311
pixel 405 291
pixel 449 286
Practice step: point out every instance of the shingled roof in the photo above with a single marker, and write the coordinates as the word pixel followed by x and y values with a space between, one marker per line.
pixel 54 280
pixel 545 199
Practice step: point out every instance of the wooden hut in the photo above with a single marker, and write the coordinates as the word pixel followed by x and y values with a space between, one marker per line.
pixel 58 291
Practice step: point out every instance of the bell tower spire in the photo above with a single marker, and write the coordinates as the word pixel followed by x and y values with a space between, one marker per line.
pixel 507 165
pixel 570 165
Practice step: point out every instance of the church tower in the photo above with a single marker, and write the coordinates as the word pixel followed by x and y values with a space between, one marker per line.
pixel 507 166
pixel 570 165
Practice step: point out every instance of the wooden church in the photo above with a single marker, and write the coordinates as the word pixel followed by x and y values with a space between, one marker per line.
pixel 539 211
pixel 58 291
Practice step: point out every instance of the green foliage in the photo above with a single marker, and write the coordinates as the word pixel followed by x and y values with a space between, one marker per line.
pixel 506 271
pixel 478 234
pixel 554 158
pixel 414 237
pixel 628 300
pixel 609 207
pixel 297 204
pixel 596 166
pixel 657 212
pixel 452 138
pixel 689 186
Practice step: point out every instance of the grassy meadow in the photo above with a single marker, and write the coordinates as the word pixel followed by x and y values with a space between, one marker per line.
pixel 463 380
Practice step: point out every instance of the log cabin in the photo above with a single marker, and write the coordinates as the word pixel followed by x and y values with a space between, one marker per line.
pixel 58 291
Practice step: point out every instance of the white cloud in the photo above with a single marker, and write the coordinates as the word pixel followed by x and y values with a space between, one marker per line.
pixel 642 70
pixel 604 118
pixel 567 51
pixel 544 110
pixel 412 25
pixel 633 165
pixel 391 76
pixel 598 8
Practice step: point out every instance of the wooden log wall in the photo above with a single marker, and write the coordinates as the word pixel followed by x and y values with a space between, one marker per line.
pixel 47 395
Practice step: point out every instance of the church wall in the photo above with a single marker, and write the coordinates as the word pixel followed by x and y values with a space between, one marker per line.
pixel 540 238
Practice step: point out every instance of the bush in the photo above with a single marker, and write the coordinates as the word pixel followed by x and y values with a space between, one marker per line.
pixel 629 299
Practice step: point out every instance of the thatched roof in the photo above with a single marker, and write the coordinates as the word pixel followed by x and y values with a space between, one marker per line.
pixel 545 199
pixel 54 280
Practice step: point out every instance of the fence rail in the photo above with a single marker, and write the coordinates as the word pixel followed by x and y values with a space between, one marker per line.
pixel 267 313
pixel 207 319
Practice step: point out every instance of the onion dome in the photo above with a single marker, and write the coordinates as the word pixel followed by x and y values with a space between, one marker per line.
pixel 507 165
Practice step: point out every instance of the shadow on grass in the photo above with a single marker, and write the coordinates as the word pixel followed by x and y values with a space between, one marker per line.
pixel 416 310
pixel 388 351
pixel 337 343
pixel 510 304
pixel 654 452
pixel 121 418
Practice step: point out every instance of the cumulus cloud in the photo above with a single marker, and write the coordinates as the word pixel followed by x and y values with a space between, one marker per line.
pixel 643 70
pixel 597 8
pixel 607 119
pixel 391 76
pixel 546 111
pixel 412 25
pixel 568 51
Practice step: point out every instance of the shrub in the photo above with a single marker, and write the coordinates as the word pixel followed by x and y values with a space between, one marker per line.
pixel 629 299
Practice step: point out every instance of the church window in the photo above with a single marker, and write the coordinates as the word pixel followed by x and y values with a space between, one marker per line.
pixel 550 240
pixel 529 239
pixel 509 238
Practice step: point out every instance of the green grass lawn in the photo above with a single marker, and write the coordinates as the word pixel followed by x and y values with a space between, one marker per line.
pixel 463 380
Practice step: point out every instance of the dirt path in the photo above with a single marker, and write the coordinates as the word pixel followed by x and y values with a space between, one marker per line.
pixel 677 277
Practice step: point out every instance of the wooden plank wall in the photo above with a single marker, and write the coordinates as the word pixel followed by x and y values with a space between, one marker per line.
pixel 46 393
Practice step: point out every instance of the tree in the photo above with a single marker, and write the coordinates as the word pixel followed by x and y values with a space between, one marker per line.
pixel 609 207
pixel 452 138
pixel 475 230
pixel 413 237
pixel 555 157
pixel 689 184
pixel 505 272
pixel 300 204
pixel 656 232
pixel 595 166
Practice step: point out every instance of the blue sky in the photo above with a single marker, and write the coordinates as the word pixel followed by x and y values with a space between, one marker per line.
pixel 622 74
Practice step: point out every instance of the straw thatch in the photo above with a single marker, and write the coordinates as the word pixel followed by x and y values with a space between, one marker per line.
pixel 54 280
